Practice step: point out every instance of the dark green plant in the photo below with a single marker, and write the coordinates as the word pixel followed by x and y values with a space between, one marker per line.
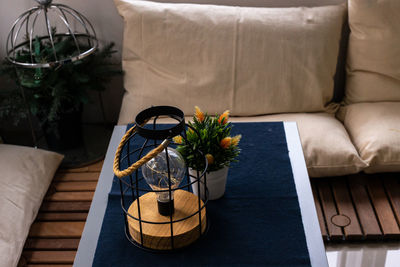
pixel 211 136
pixel 50 92
pixel 11 105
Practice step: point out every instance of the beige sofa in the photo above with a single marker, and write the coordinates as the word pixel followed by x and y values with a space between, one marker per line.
pixel 272 64
pixel 264 64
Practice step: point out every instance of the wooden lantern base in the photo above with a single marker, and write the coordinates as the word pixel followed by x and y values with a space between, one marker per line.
pixel 158 236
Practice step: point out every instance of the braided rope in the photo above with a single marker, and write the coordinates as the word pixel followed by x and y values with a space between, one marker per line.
pixel 128 171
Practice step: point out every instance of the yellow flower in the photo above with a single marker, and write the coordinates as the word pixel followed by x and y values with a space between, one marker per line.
pixel 199 114
pixel 223 119
pixel 226 142
pixel 178 139
pixel 236 139
pixel 210 159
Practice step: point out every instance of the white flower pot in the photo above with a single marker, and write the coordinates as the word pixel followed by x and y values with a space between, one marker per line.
pixel 216 182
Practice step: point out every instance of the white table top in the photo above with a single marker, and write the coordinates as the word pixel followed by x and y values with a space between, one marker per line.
pixel 91 232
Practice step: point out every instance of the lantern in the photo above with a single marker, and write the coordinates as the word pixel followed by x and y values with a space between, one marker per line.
pixel 51 22
pixel 48 23
pixel 160 210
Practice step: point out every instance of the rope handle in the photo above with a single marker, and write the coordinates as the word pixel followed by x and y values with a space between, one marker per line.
pixel 128 171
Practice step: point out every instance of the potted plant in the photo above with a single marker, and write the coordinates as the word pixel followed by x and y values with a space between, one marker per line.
pixel 55 96
pixel 212 136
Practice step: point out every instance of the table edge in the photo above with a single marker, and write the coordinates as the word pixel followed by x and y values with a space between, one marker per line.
pixel 88 243
pixel 90 235
pixel 315 244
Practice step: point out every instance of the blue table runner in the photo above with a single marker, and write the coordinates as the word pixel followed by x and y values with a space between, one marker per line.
pixel 258 221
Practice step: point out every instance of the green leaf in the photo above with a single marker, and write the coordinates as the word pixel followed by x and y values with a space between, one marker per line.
pixel 52 91
pixel 36 45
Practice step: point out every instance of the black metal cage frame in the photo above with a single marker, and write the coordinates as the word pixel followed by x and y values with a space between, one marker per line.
pixel 129 185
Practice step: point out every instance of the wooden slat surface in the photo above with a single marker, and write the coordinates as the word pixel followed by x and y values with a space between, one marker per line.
pixel 56 229
pixel 95 167
pixel 392 186
pixel 75 186
pixel 364 208
pixel 78 176
pixel 61 216
pixel 50 257
pixel 70 196
pixel 345 207
pixel 328 205
pixel 52 244
pixel 321 220
pixel 383 209
pixel 65 206
pixel 367 206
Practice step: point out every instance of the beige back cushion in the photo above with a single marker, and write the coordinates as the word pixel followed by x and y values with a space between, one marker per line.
pixel 250 60
pixel 373 61
pixel 26 174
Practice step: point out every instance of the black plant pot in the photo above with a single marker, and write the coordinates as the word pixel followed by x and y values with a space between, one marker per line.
pixel 64 133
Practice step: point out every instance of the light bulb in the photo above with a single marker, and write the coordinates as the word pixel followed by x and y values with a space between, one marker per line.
pixel 155 172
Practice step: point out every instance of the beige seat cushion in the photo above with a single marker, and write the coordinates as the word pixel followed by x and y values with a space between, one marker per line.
pixel 373 61
pixel 375 131
pixel 327 147
pixel 26 174
pixel 250 60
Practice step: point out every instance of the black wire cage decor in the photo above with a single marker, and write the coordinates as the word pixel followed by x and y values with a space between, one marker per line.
pixel 161 213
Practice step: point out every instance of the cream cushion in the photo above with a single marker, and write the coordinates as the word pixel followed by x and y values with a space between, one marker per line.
pixel 375 131
pixel 373 60
pixel 327 147
pixel 250 60
pixel 25 176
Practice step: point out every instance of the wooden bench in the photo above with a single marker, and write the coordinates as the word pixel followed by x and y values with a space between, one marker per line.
pixel 55 234
pixel 358 207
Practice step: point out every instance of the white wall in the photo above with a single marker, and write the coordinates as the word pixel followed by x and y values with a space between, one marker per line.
pixel 109 27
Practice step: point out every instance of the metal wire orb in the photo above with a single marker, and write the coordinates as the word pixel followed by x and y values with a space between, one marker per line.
pixel 60 22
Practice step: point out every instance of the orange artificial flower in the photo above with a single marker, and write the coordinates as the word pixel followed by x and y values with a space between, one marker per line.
pixel 226 142
pixel 223 119
pixel 236 139
pixel 178 139
pixel 210 159
pixel 199 114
